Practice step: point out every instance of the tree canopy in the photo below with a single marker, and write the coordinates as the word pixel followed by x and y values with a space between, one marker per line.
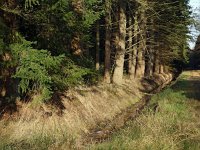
pixel 49 46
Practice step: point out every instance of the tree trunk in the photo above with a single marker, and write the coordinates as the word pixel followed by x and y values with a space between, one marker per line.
pixel 76 41
pixel 161 69
pixel 131 66
pixel 142 45
pixel 76 44
pixel 135 46
pixel 9 85
pixel 118 71
pixel 150 49
pixel 156 62
pixel 78 6
pixel 107 42
pixel 165 69
pixel 97 45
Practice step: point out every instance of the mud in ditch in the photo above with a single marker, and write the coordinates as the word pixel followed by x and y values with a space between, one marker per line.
pixel 106 129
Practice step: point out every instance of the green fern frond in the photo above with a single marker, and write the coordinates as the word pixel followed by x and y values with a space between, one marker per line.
pixel 31 3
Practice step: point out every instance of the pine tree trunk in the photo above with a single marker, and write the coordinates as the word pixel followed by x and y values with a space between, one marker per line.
pixel 142 46
pixel 161 69
pixel 150 49
pixel 120 53
pixel 97 45
pixel 135 46
pixel 78 6
pixel 76 43
pixel 131 64
pixel 9 85
pixel 9 18
pixel 156 62
pixel 114 36
pixel 165 69
pixel 107 42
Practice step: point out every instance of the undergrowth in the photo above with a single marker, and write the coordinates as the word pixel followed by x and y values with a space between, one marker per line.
pixel 40 73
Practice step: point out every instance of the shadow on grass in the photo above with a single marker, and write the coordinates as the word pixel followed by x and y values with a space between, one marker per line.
pixel 189 87
pixel 9 106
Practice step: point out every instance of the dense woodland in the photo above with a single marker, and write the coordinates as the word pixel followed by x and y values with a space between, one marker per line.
pixel 48 46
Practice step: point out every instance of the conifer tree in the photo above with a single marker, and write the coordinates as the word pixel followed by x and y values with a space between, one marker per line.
pixel 120 53
pixel 141 38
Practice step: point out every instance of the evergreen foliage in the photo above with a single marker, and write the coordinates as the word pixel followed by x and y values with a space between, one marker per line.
pixel 33 68
pixel 39 71
pixel 173 23
pixel 66 35
pixel 30 3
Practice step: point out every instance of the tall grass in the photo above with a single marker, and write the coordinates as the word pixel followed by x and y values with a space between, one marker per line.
pixel 39 134
pixel 173 125
pixel 85 108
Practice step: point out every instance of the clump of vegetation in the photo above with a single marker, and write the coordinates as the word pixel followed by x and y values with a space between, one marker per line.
pixel 38 71
pixel 42 136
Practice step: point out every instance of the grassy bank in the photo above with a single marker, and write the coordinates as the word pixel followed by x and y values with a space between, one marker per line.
pixel 171 122
pixel 83 108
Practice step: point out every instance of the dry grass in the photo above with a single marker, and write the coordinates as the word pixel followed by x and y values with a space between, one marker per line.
pixel 173 128
pixel 84 109
pixel 175 125
pixel 191 73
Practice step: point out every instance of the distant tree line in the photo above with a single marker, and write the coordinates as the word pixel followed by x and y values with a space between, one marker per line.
pixel 195 55
pixel 50 45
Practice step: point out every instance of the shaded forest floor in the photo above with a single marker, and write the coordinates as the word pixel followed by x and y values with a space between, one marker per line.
pixel 170 122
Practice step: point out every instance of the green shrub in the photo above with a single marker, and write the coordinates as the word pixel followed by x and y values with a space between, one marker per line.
pixel 40 72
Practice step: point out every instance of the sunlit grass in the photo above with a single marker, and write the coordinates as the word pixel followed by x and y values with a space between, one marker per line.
pixel 87 108
pixel 39 134
pixel 168 123
pixel 172 127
